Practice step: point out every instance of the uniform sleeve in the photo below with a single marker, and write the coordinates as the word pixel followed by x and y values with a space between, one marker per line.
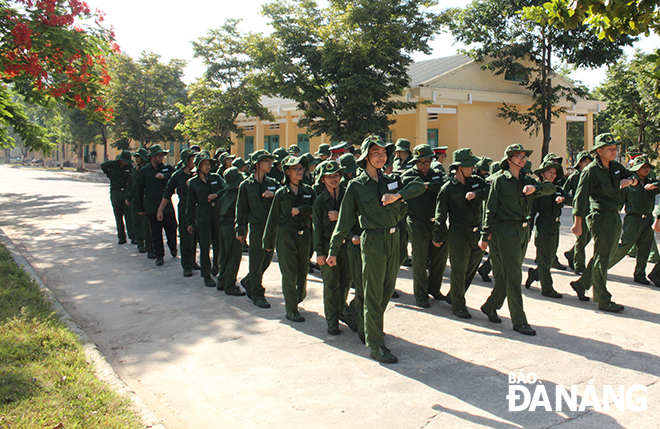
pixel 542 188
pixel 347 217
pixel 414 188
pixel 131 185
pixel 241 210
pixel 440 232
pixel 191 206
pixel 318 214
pixel 438 178
pixel 581 197
pixel 140 191
pixel 107 166
pixel 273 222
pixel 492 206
pixel 482 191
pixel 169 189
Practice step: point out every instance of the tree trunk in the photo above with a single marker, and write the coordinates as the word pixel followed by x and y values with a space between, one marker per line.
pixel 80 164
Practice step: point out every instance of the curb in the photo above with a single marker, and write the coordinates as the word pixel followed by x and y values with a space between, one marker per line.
pixel 102 368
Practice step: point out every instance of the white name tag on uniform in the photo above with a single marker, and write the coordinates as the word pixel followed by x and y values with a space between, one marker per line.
pixel 214 183
pixel 307 196
pixel 392 186
pixel 271 188
pixel 617 172
pixel 166 169
pixel 475 185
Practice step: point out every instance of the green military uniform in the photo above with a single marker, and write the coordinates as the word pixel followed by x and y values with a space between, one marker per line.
pixel 336 280
pixel 252 208
pixel 149 195
pixel 484 165
pixel 599 199
pixel 179 183
pixel 140 223
pixel 119 176
pixel 576 255
pixel 547 213
pixel 292 236
pixel 231 249
pixel 506 219
pixel 204 216
pixel 275 172
pixel 421 215
pixel 638 223
pixel 379 240
pixel 654 275
pixel 462 236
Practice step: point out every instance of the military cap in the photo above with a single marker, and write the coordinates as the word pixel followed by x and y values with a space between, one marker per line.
pixel 517 147
pixel 311 159
pixel 440 150
pixel 261 155
pixel 280 153
pixel 156 149
pixel 484 163
pixel 639 162
pixel 185 154
pixel 367 144
pixel 224 156
pixel 331 167
pixel 421 151
pixel 324 149
pixel 603 140
pixel 402 145
pixel 463 158
pixel 142 153
pixel 293 149
pixel 125 156
pixel 547 165
pixel 201 157
pixel 233 178
pixel 291 161
pixel 347 161
pixel 582 155
pixel 238 162
pixel 339 147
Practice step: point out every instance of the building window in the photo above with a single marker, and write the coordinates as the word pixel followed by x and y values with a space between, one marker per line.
pixel 432 117
pixel 274 126
pixel 516 73
pixel 388 137
pixel 248 146
pixel 432 137
pixel 303 143
pixel 271 143
pixel 248 128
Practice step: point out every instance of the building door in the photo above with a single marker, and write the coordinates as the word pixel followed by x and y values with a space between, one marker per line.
pixel 432 137
pixel 249 146
pixel 271 143
pixel 303 143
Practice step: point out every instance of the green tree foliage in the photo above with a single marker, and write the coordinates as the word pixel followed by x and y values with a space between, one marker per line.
pixel 633 109
pixel 505 39
pixel 144 94
pixel 343 64
pixel 50 49
pixel 226 90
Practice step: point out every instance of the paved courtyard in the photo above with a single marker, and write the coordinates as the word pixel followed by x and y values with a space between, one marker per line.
pixel 201 359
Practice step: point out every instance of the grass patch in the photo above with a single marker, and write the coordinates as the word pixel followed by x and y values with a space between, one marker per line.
pixel 45 379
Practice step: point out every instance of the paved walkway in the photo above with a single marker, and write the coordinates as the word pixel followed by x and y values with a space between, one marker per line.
pixel 200 359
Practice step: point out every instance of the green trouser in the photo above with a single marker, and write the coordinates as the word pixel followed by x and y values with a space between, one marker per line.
pixel 579 255
pixel 336 284
pixel 507 254
pixel 293 257
pixel 259 261
pixel 425 254
pixel 403 240
pixel 605 226
pixel 654 256
pixel 486 267
pixel 231 251
pixel 464 256
pixel 142 224
pixel 380 264
pixel 636 231
pixel 138 230
pixel 121 212
pixel 354 252
pixel 208 233
pixel 185 239
pixel 547 242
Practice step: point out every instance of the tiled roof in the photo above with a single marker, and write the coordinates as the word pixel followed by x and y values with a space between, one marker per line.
pixel 423 71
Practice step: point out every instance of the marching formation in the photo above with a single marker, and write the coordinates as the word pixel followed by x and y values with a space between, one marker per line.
pixel 357 210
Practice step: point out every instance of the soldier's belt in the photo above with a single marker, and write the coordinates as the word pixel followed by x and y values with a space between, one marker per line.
pixel 522 223
pixel 295 230
pixel 473 228
pixel 643 216
pixel 384 230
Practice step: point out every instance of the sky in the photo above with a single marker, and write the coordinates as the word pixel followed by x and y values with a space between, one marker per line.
pixel 167 28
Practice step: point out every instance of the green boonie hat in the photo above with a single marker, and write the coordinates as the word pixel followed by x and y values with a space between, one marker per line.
pixel 261 155
pixel 293 149
pixel 517 147
pixel 185 154
pixel 484 163
pixel 311 159
pixel 324 149
pixel 125 156
pixel 463 158
pixel 347 161
pixel 156 149
pixel 404 144
pixel 280 153
pixel 201 157
pixel 142 153
pixel 582 155
pixel 421 151
pixel 238 162
pixel 331 167
pixel 366 145
pixel 291 160
pixel 552 157
pixel 547 165
pixel 639 163
pixel 224 156
pixel 603 140
pixel 233 178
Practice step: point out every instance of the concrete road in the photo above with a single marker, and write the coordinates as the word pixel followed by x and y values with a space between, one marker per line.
pixel 201 359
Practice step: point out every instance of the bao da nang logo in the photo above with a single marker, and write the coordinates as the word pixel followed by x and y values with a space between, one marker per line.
pixel 527 393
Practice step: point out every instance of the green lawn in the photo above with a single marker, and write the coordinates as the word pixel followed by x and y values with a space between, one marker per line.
pixel 45 380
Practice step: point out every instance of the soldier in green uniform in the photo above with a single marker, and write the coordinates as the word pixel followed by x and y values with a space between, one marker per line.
pixel 324 152
pixel 202 213
pixel 179 183
pixel 152 180
pixel 576 255
pixel 375 199
pixel 482 169
pixel 231 250
pixel 224 162
pixel 598 198
pixel 308 178
pixel 403 159
pixel 119 171
pixel 141 230
pixel 549 209
pixel 294 150
pixel 440 156
pixel 336 280
pixel 288 229
pixel 506 226
pixel 277 172
pixel 461 199
pixel 255 196
pixel 240 164
pixel 421 215
pixel 638 223
pixel 338 150
pixel 654 275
